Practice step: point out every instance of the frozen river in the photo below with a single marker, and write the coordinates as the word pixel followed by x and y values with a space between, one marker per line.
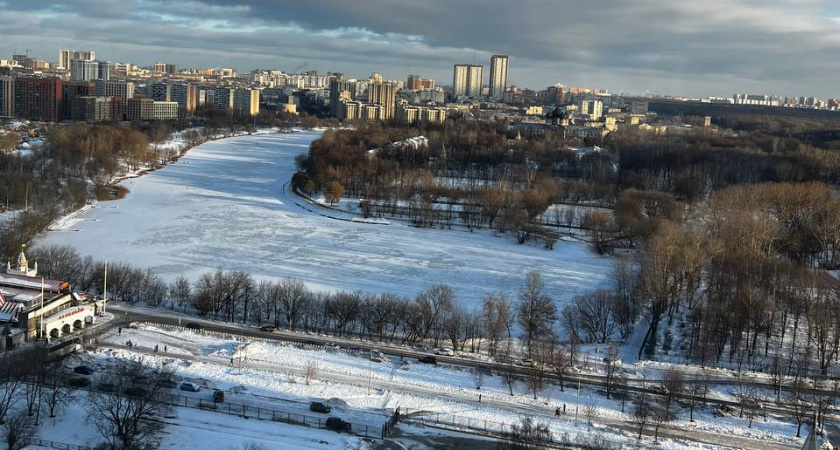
pixel 223 205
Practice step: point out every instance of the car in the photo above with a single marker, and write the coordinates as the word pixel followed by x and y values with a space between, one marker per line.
pixel 336 424
pixel 428 360
pixel 484 370
pixel 377 356
pixel 268 328
pixel 135 391
pixel 527 362
pixel 218 396
pixel 191 387
pixel 312 343
pixel 168 384
pixel 444 351
pixel 107 387
pixel 353 349
pixel 406 365
pixel 84 370
pixel 194 326
pixel 332 347
pixel 78 382
pixel 320 407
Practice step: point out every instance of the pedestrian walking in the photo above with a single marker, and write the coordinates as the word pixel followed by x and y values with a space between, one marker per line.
pixel 164 349
pixel 557 412
pixel 479 398
pixel 119 330
pixel 564 409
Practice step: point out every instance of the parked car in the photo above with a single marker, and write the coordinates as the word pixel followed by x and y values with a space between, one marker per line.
pixel 107 387
pixel 444 351
pixel 332 347
pixel 78 382
pixel 336 424
pixel 268 328
pixel 527 362
pixel 194 326
pixel 135 391
pixel 218 396
pixel 320 407
pixel 428 360
pixel 84 370
pixel 188 386
pixel 377 356
pixel 168 384
pixel 484 370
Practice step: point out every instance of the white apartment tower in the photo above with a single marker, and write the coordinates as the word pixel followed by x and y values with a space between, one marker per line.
pixel 466 80
pixel 498 76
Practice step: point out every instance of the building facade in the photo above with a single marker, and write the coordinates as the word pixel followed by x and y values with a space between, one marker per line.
pixel 38 99
pixel 498 76
pixel 7 96
pixel 246 102
pixel 385 95
pixel 83 70
pixel 466 80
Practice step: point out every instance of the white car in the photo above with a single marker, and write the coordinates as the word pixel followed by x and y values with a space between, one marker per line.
pixel 444 351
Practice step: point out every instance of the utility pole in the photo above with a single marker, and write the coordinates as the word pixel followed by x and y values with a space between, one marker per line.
pixel 577 402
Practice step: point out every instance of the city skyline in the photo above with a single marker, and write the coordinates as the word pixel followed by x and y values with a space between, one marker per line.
pixel 777 47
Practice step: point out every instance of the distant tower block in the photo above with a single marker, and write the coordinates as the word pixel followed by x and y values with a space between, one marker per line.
pixel 22 265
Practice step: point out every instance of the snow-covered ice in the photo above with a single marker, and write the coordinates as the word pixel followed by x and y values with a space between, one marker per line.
pixel 226 204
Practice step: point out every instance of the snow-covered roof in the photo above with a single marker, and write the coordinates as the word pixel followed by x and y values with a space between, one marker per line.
pixel 22 281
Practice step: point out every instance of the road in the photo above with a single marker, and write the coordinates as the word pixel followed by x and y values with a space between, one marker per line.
pixel 466 396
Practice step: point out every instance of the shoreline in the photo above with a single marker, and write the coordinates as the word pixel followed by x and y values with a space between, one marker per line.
pixel 67 221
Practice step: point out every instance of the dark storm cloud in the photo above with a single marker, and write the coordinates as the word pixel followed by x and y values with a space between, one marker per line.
pixel 691 47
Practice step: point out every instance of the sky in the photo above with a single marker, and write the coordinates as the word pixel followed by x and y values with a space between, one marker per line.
pixel 676 47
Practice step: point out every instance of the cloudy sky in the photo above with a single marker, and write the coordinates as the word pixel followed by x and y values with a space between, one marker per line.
pixel 688 47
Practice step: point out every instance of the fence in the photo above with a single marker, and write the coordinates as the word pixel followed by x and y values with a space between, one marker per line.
pixel 507 431
pixel 260 413
pixel 54 444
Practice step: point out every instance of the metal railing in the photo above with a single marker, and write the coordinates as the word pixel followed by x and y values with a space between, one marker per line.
pixel 54 444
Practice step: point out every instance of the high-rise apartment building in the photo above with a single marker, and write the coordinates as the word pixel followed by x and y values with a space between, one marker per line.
pixel 466 80
pixel 336 88
pixel 7 96
pixel 161 92
pixel 246 102
pixel 103 70
pixel 416 83
pixel 65 56
pixel 185 95
pixel 159 67
pixel 71 94
pixel 498 76
pixel 83 70
pixel 120 88
pixel 222 99
pixel 384 94
pixel 38 98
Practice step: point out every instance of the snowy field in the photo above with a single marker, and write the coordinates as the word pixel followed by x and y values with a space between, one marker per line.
pixel 224 205
pixel 271 377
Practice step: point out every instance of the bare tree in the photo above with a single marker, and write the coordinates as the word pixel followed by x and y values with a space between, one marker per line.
pixel 536 312
pixel 478 378
pixel 293 295
pixel 528 434
pixel 612 364
pixel 17 430
pixel 673 384
pixel 642 412
pixel 310 371
pixel 55 393
pixel 120 415
pixel 590 412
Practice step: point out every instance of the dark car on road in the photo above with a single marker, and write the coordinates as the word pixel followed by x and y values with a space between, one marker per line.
pixel 428 360
pixel 194 326
pixel 78 382
pixel 84 370
pixel 218 396
pixel 336 424
pixel 268 328
pixel 319 407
